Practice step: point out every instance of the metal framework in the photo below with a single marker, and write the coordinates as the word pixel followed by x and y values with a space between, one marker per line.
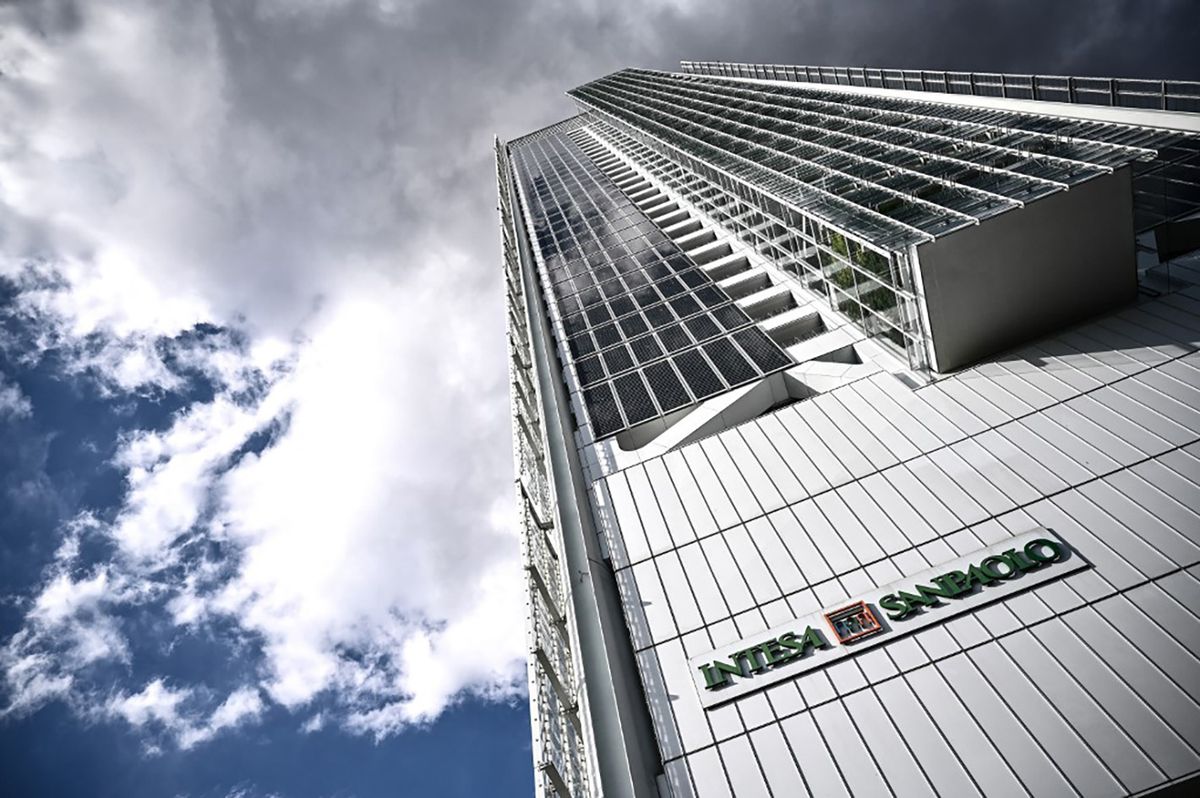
pixel 558 752
pixel 857 182
pixel 1166 95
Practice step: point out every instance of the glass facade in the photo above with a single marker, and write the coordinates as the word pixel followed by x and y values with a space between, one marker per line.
pixel 1166 188
pixel 736 447
pixel 645 329
pixel 870 286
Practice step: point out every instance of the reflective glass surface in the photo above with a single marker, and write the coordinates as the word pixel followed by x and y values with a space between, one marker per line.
pixel 633 310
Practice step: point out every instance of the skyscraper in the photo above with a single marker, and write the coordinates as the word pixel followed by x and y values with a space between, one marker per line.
pixel 856 417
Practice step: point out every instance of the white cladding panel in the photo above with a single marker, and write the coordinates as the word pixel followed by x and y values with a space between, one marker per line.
pixel 1087 684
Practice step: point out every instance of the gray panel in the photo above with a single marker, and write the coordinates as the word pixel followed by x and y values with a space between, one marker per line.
pixel 742 767
pixel 1132 548
pixel 690 495
pixel 983 492
pixel 878 525
pixel 928 433
pixel 653 602
pixel 1085 771
pixel 958 500
pixel 783 776
pixel 819 770
pixel 885 430
pixel 970 745
pixel 652 520
pixel 755 571
pixel 791 452
pixel 1031 442
pixel 1143 674
pixel 855 759
pixel 829 466
pixel 783 480
pixel 710 488
pixel 957 390
pixel 704 584
pixel 731 479
pixel 942 766
pixel 1137 720
pixel 783 568
pixel 630 530
pixel 747 464
pixel 862 546
pixel 892 754
pixel 709 774
pixel 679 592
pixel 1136 435
pixel 1003 728
pixel 1161 537
pixel 797 541
pixel 856 431
pixel 998 474
pixel 678 525
pixel 662 716
pixel 831 547
pixel 690 718
pixel 836 441
pixel 1112 746
pixel 733 586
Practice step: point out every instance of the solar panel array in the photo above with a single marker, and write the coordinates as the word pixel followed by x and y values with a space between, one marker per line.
pixel 646 330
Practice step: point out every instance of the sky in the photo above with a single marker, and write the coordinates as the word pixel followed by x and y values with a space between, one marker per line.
pixel 256 518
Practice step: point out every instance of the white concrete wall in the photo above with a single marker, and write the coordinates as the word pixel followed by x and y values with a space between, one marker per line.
pixel 1089 684
pixel 1021 274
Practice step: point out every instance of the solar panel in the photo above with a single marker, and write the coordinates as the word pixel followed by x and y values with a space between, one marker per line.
pixel 589 370
pixel 730 317
pixel 617 359
pixel 732 365
pixel 581 345
pixel 635 399
pixel 666 386
pixel 684 305
pixel 606 335
pixel 670 287
pixel 633 325
pixel 673 338
pixel 597 314
pixel 698 374
pixel 702 327
pixel 711 296
pixel 602 410
pixel 765 353
pixel 600 254
pixel 645 348
pixel 659 315
pixel 622 305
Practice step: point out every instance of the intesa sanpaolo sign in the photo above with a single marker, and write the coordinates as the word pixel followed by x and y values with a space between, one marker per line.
pixel 865 621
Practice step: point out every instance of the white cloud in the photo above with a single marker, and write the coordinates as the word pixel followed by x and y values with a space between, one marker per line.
pixel 329 210
pixel 13 403
pixel 156 703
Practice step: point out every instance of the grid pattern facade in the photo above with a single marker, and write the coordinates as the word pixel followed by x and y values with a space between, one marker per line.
pixel 854 183
pixel 1087 685
pixel 1166 188
pixel 872 288
pixel 1164 95
pixel 647 331
pixel 553 687
pixel 892 171
pixel 743 518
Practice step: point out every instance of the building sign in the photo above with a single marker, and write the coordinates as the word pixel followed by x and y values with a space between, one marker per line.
pixel 883 614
